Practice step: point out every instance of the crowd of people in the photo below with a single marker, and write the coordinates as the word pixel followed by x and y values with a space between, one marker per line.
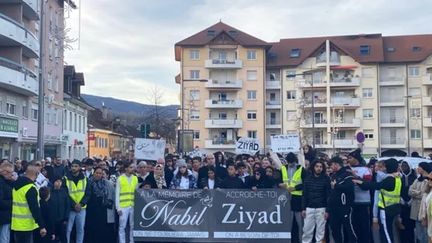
pixel 338 199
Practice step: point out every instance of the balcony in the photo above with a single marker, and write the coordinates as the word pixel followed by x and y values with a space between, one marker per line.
pixel 319 123
pixel 307 84
pixel 219 144
pixel 319 102
pixel 427 79
pixel 427 101
pixel 349 123
pixel 30 9
pixel 427 143
pixel 17 78
pixel 345 143
pixel 345 82
pixel 224 104
pixel 273 104
pixel 273 124
pixel 273 85
pixel 392 101
pixel 393 122
pixel 321 60
pixel 225 64
pixel 14 33
pixel 223 123
pixel 392 81
pixel 346 101
pixel 427 122
pixel 224 84
pixel 393 142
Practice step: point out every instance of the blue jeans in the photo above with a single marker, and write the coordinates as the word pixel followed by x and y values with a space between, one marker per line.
pixel 79 220
pixel 5 233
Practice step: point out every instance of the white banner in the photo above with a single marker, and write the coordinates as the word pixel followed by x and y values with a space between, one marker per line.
pixel 150 149
pixel 247 146
pixel 286 143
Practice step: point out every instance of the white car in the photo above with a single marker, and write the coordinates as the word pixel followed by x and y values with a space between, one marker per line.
pixel 412 161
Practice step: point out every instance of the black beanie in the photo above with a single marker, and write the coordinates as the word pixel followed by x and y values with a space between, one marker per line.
pixel 391 165
pixel 76 162
pixel 291 158
pixel 356 154
pixel 425 166
pixel 337 160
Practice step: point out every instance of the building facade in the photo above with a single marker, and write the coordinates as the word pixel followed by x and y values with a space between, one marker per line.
pixel 327 88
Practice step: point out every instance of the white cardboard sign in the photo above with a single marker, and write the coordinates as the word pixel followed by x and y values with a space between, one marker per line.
pixel 286 143
pixel 247 146
pixel 150 149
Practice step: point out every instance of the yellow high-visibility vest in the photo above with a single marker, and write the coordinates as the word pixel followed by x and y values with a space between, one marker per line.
pixel 77 191
pixel 127 191
pixel 295 180
pixel 22 218
pixel 390 197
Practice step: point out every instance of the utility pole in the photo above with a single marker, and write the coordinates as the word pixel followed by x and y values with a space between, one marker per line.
pixel 41 94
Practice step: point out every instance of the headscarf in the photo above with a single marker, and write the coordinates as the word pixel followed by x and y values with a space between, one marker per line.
pixel 100 188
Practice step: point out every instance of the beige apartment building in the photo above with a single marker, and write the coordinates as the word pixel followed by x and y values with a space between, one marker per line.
pixel 327 88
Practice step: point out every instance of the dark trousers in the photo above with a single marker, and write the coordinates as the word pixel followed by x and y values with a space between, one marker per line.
pixel 386 226
pixel 361 224
pixel 407 234
pixel 60 232
pixel 23 236
pixel 341 219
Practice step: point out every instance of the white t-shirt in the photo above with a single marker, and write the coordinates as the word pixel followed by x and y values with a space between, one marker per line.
pixel 184 183
pixel 211 184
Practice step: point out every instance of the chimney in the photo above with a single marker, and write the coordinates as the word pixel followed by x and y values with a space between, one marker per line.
pixel 104 112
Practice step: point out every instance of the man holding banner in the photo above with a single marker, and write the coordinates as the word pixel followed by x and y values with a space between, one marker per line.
pixel 124 199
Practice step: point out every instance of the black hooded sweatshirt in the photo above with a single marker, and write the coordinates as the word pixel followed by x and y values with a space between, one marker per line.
pixel 342 194
pixel 32 199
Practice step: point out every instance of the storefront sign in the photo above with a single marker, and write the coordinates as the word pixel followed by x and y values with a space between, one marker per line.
pixel 212 215
pixel 8 127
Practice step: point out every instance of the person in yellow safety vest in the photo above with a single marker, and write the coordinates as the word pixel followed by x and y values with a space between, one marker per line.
pixel 293 175
pixel 26 214
pixel 79 193
pixel 389 199
pixel 124 200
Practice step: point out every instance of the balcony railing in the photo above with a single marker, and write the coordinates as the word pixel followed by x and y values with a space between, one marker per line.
pixel 15 31
pixel 345 81
pixel 427 143
pixel 392 80
pixel 273 84
pixel 393 141
pixel 345 101
pixel 223 63
pixel 355 122
pixel 227 84
pixel 223 103
pixel 31 9
pixel 17 78
pixel 427 79
pixel 427 122
pixel 219 143
pixel 427 101
pixel 223 123
pixel 393 120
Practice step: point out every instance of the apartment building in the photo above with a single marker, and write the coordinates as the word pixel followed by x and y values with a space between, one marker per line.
pixel 332 88
pixel 222 86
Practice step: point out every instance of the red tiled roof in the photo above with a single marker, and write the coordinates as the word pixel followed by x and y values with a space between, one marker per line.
pixel 403 48
pixel 202 38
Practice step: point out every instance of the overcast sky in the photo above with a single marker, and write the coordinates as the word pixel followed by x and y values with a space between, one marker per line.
pixel 127 46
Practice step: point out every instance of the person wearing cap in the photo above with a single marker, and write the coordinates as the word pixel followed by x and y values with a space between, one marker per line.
pixel 293 175
pixel 416 191
pixel 340 202
pixel 79 194
pixel 362 198
pixel 388 200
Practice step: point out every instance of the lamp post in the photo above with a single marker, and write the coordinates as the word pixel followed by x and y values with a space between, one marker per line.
pixel 41 93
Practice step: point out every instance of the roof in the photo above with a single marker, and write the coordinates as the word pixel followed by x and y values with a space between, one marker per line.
pixel 202 38
pixel 79 77
pixel 279 54
pixel 403 48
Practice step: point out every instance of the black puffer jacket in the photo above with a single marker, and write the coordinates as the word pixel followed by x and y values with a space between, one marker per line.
pixel 5 201
pixel 316 191
pixel 342 194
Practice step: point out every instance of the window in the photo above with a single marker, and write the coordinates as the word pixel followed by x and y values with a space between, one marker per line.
pixel 367 113
pixel 47 118
pixel 251 75
pixel 367 93
pixel 211 33
pixel 194 54
pixel 194 115
pixel 75 122
pixel 49 81
pixel 196 135
pixel 291 95
pixel 413 71
pixel 194 74
pixel 416 48
pixel 391 49
pixel 415 134
pixel 295 53
pixel 10 108
pixel 70 121
pixel 291 115
pixel 251 55
pixel 34 111
pixel 414 91
pixel 251 94
pixel 194 94
pixel 367 72
pixel 291 74
pixel 55 117
pixel 251 115
pixel 369 134
pixel 415 112
pixel 79 124
pixel 252 134
pixel 25 110
pixel 364 50
pixel 1 105
pixel 56 84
